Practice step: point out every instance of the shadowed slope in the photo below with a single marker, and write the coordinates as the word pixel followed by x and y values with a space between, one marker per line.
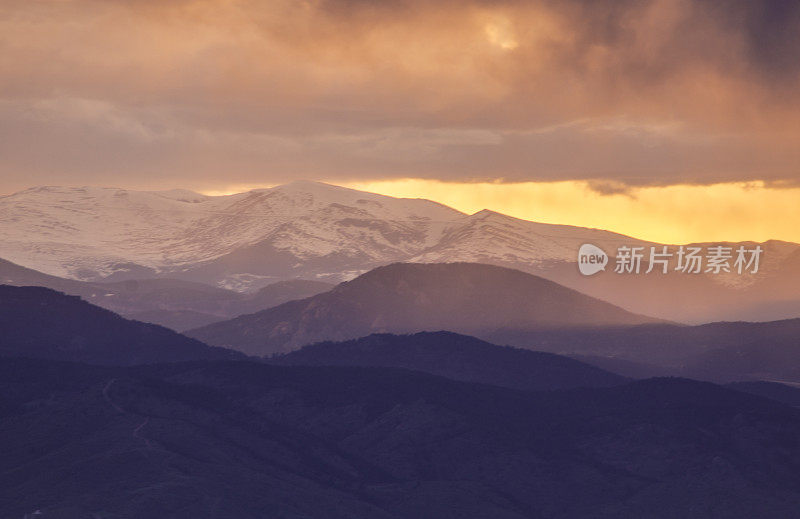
pixel 39 322
pixel 467 298
pixel 241 439
pixel 458 357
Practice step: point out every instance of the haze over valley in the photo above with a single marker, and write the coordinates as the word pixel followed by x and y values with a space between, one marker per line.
pixel 319 232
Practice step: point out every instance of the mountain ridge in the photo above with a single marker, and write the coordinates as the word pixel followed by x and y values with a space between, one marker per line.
pixel 322 232
pixel 38 322
pixel 457 357
pixel 175 303
pixel 198 438
pixel 468 298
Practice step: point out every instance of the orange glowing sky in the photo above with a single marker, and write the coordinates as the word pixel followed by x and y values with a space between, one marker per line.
pixel 733 211
pixel 675 120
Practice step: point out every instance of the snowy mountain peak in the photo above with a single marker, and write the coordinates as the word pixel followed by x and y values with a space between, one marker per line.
pixel 322 194
pixel 488 213
pixel 96 232
pixel 302 229
pixel 310 186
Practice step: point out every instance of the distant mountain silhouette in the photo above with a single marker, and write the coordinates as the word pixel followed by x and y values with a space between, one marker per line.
pixel 467 298
pixel 42 323
pixel 719 352
pixel 243 439
pixel 174 303
pixel 458 357
pixel 789 395
pixel 13 274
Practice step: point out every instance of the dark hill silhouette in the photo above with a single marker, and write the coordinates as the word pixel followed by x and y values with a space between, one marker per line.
pixel 718 352
pixel 42 323
pixel 243 439
pixel 789 395
pixel 458 357
pixel 467 298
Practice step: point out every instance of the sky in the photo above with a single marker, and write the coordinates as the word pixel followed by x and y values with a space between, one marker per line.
pixel 642 116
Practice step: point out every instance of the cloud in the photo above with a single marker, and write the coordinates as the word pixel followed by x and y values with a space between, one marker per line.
pixel 197 92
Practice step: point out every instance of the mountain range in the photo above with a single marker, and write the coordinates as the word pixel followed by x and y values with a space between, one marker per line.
pixel 720 352
pixel 439 425
pixel 509 307
pixel 457 357
pixel 468 298
pixel 243 439
pixel 314 231
pixel 174 303
pixel 499 305
pixel 41 323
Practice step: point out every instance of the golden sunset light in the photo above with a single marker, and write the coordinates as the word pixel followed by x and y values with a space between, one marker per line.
pixel 529 108
pixel 734 211
pixel 671 214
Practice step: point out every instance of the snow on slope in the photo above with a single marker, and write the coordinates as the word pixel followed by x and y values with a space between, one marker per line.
pixel 89 232
pixel 488 236
pixel 302 229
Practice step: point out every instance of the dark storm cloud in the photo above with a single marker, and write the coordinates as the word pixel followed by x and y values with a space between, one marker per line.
pixel 206 92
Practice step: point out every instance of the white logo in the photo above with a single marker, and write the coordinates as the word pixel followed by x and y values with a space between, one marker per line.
pixel 688 259
pixel 591 259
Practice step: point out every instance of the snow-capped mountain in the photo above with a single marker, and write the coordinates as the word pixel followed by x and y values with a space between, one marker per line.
pixel 305 229
pixel 318 231
pixel 94 233
pixel 489 237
